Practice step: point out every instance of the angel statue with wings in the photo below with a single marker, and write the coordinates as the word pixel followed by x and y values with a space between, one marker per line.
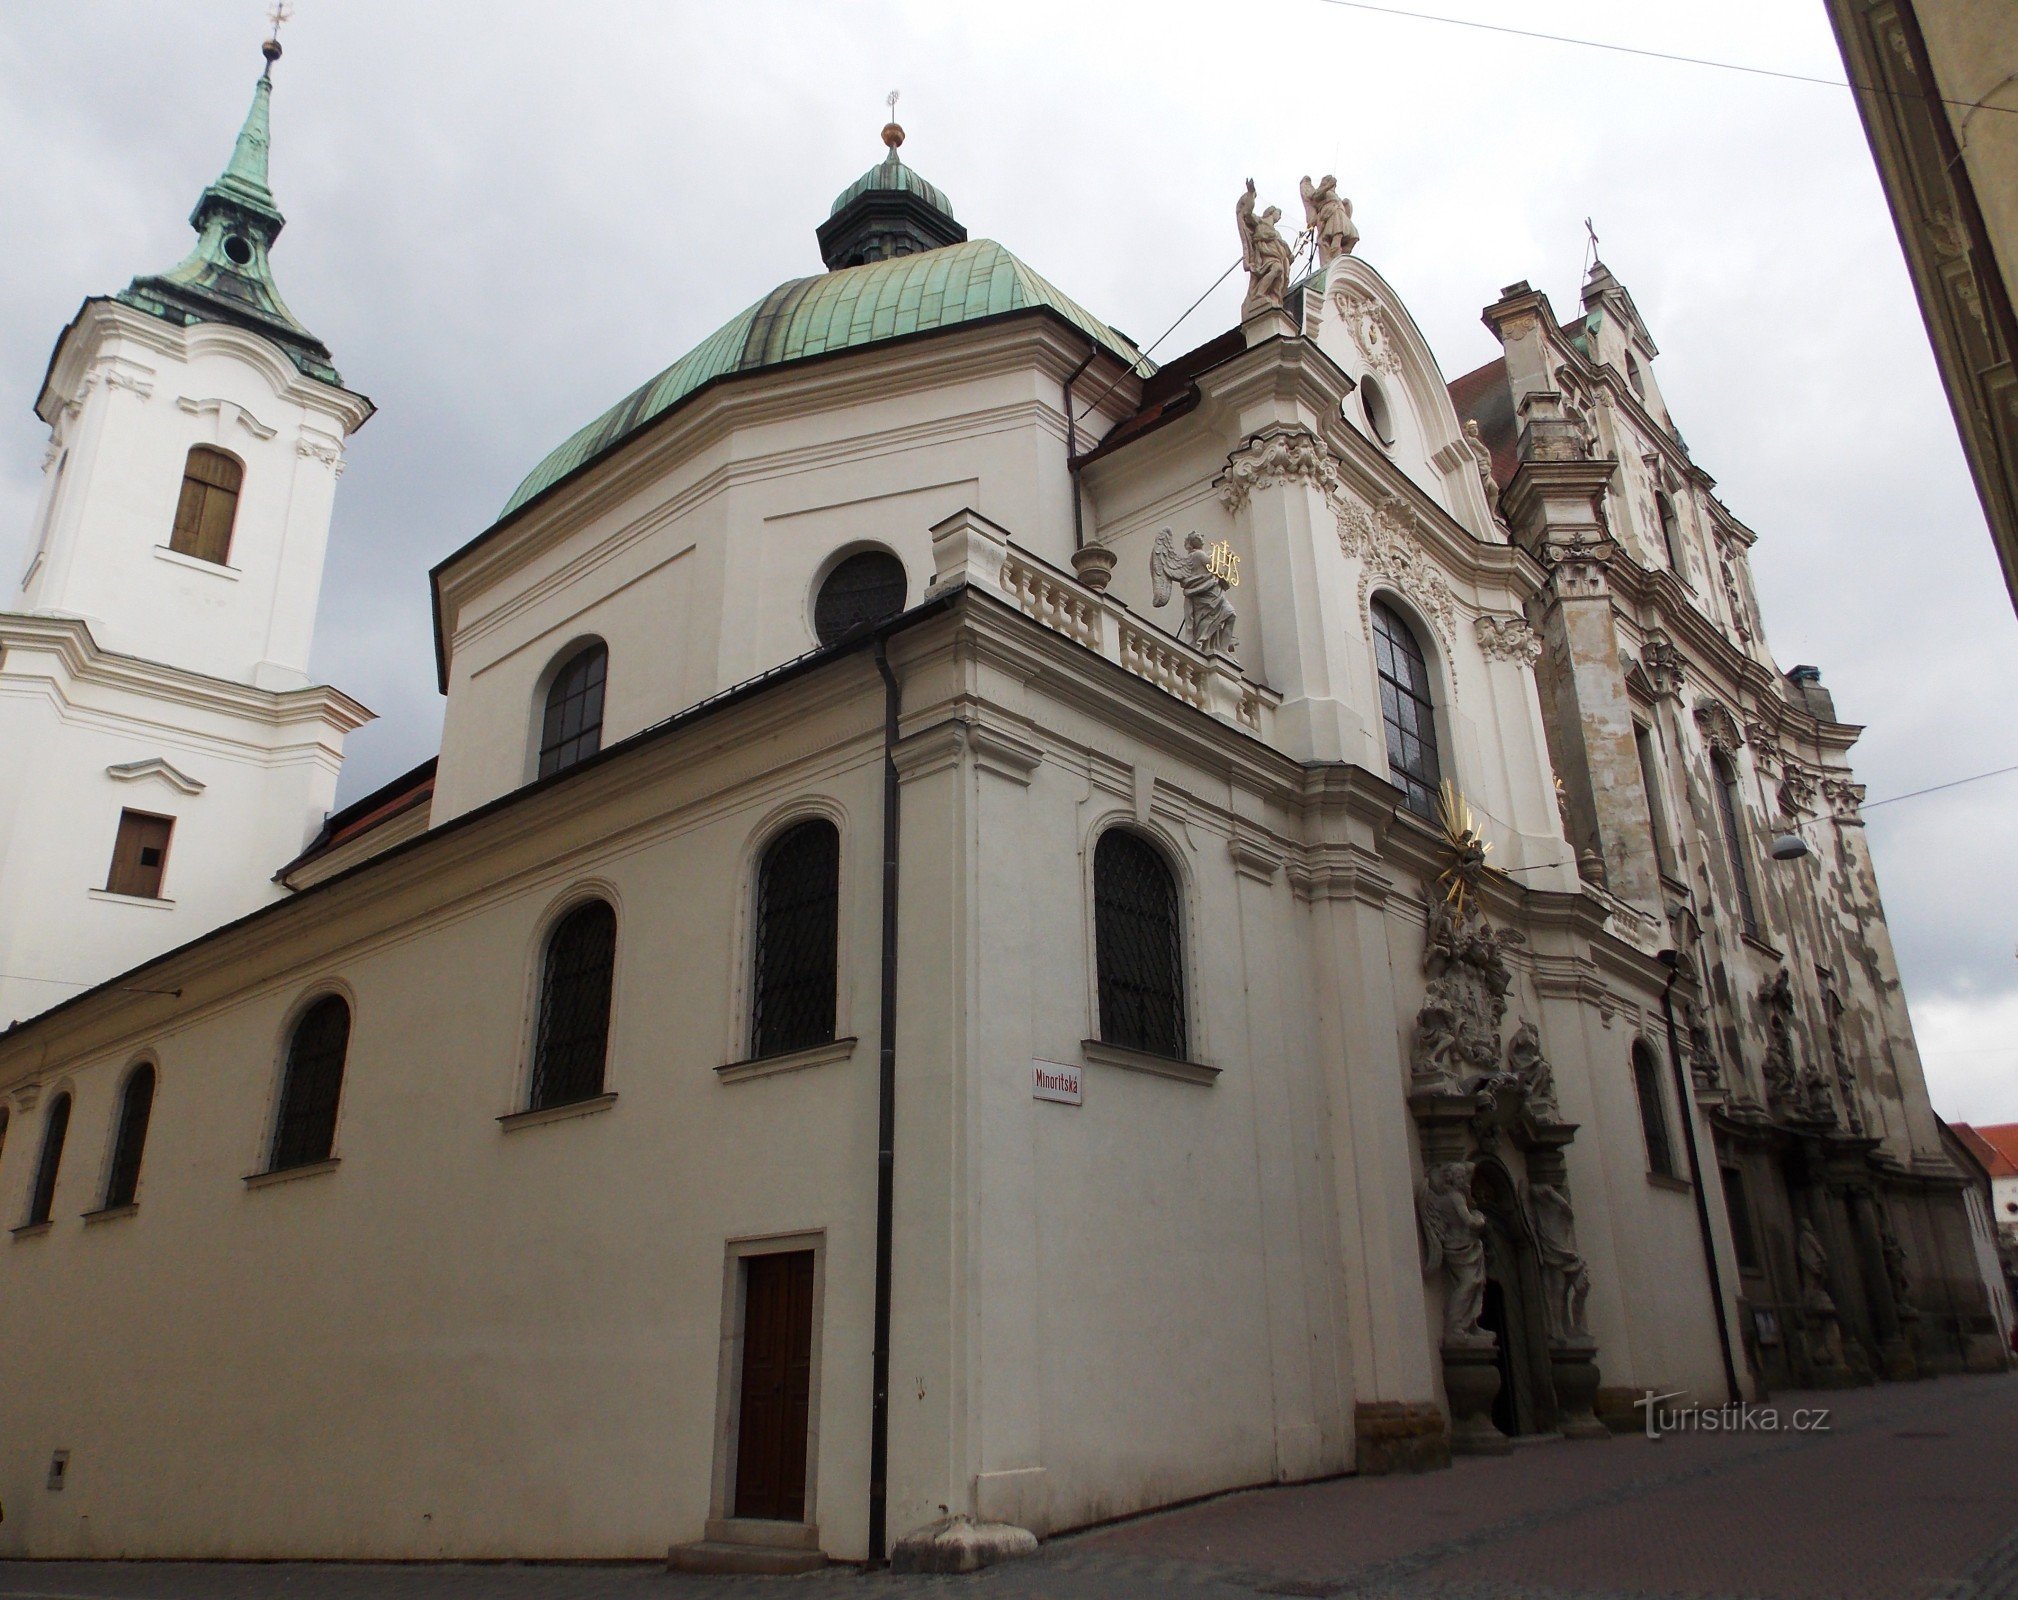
pixel 1208 615
pixel 1264 252
pixel 1327 214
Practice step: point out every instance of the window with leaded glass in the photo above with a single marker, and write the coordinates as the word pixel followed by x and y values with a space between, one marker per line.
pixel 797 942
pixel 1653 1114
pixel 576 975
pixel 1408 709
pixel 572 729
pixel 1138 945
pixel 208 505
pixel 867 587
pixel 1729 808
pixel 55 1129
pixel 311 1085
pixel 136 1105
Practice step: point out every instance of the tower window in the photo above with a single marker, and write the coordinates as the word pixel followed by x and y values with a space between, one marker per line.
pixel 55 1128
pixel 1639 384
pixel 573 728
pixel 1408 710
pixel 1671 531
pixel 867 587
pixel 305 1131
pixel 237 249
pixel 798 936
pixel 136 1105
pixel 1657 810
pixel 209 505
pixel 574 1031
pixel 139 855
pixel 1138 946
pixel 1653 1114
pixel 1728 809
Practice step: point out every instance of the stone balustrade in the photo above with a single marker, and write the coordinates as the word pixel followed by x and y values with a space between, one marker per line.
pixel 969 549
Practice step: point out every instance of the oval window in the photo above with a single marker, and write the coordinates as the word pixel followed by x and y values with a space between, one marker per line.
pixel 1373 401
pixel 865 588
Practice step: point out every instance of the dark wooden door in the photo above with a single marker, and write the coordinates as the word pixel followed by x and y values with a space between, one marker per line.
pixel 776 1383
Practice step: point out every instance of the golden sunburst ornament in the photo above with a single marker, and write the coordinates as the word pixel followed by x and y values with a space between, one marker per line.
pixel 1468 850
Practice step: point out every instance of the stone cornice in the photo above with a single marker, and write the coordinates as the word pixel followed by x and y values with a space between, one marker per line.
pixel 82 660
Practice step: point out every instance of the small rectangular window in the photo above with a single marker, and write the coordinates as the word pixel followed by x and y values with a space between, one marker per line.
pixel 139 854
pixel 208 505
pixel 1657 811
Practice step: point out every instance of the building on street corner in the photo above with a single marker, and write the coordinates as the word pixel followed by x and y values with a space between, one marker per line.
pixel 1000 935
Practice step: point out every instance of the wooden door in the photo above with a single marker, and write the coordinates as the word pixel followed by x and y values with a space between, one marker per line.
pixel 776 1383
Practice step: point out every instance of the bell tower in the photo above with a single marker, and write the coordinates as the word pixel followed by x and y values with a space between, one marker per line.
pixel 167 752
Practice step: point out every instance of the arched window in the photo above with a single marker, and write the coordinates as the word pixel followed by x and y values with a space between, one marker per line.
pixel 798 935
pixel 573 728
pixel 574 1029
pixel 1138 945
pixel 55 1126
pixel 1728 814
pixel 209 505
pixel 136 1104
pixel 1408 709
pixel 312 1084
pixel 1671 530
pixel 867 587
pixel 1653 1115
pixel 1639 384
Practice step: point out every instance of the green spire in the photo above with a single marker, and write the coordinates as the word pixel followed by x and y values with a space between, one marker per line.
pixel 227 276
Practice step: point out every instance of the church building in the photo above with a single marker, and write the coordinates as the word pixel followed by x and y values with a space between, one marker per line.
pixel 1001 935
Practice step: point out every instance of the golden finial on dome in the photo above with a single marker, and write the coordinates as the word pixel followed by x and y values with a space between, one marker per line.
pixel 892 134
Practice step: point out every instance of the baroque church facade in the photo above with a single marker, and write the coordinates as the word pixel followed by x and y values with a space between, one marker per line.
pixel 1000 935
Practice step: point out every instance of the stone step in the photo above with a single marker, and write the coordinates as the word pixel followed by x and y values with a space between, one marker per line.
pixel 762 1560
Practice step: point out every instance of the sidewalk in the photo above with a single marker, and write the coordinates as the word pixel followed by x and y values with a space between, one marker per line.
pixel 1911 1494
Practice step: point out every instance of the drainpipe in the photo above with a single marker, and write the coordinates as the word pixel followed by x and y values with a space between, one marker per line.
pixel 1685 1099
pixel 1072 445
pixel 886 1128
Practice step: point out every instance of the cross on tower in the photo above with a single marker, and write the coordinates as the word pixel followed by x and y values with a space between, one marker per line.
pixel 281 12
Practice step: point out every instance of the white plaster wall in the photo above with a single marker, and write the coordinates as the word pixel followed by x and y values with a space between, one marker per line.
pixel 130 395
pixel 267 766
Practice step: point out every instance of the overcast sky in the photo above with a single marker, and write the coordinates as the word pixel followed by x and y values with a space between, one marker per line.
pixel 502 217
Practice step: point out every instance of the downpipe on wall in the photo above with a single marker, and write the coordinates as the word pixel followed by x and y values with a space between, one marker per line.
pixel 886 1127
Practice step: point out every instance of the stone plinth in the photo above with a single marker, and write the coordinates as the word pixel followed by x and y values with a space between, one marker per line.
pixel 1471 1381
pixel 1400 1436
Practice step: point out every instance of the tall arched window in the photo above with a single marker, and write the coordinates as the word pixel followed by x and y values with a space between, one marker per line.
pixel 136 1105
pixel 1729 808
pixel 1671 530
pixel 798 937
pixel 867 587
pixel 573 727
pixel 209 505
pixel 576 975
pixel 1653 1114
pixel 1408 709
pixel 311 1085
pixel 55 1128
pixel 1138 945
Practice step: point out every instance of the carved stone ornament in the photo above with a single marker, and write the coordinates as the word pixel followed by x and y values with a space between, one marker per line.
pixel 1797 791
pixel 1453 1241
pixel 1367 323
pixel 1844 798
pixel 1704 1066
pixel 1264 252
pixel 1566 1278
pixel 1719 727
pixel 1664 665
pixel 1530 1069
pixel 1208 615
pixel 1507 639
pixel 1457 1031
pixel 1794 1090
pixel 1290 455
pixel 1481 454
pixel 1814 1258
pixel 1896 1271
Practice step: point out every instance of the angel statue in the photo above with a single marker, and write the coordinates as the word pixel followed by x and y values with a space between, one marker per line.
pixel 1264 252
pixel 1453 1239
pixel 1328 214
pixel 1208 615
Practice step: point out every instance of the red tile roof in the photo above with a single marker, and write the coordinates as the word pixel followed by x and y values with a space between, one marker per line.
pixel 1996 1147
pixel 408 790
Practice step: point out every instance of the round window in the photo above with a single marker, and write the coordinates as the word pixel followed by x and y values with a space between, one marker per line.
pixel 236 247
pixel 1373 401
pixel 865 588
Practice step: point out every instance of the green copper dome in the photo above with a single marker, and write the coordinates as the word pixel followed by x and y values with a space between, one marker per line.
pixel 892 176
pixel 848 309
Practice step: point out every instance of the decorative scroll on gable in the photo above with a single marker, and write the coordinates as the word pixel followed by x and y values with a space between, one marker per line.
pixel 1367 323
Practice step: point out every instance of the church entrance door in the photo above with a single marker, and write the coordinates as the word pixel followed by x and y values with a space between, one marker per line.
pixel 775 1384
pixel 1526 1402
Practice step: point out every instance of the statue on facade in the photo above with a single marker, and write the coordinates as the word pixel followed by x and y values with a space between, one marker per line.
pixel 1453 1238
pixel 1532 1071
pixel 1896 1271
pixel 1564 1272
pixel 1482 454
pixel 1435 1067
pixel 1264 252
pixel 1208 615
pixel 1814 1257
pixel 1328 215
pixel 1457 1031
pixel 1782 1072
pixel 1703 1063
